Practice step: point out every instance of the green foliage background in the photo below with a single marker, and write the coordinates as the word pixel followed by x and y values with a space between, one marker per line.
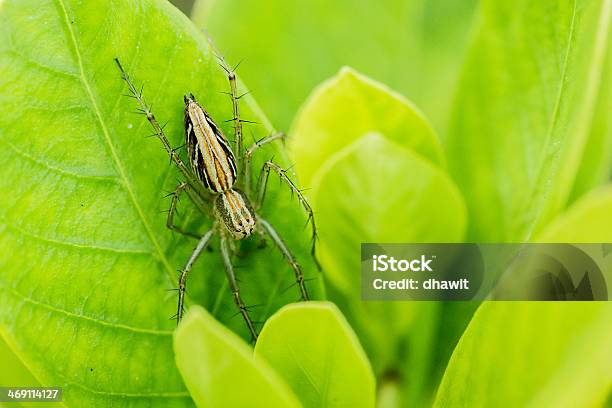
pixel 456 121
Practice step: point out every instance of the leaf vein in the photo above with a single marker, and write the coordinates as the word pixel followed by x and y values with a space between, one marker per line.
pixel 33 62
pixel 54 169
pixel 92 319
pixel 75 244
pixel 555 116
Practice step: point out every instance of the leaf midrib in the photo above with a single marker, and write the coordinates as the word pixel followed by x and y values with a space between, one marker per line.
pixel 107 139
pixel 592 90
pixel 552 126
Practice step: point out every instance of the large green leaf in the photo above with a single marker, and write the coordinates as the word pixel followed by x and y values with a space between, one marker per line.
pixel 86 260
pixel 545 354
pixel 347 106
pixel 524 111
pixel 414 46
pixel 220 370
pixel 312 346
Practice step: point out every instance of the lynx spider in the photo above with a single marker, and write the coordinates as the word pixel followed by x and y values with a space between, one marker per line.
pixel 220 177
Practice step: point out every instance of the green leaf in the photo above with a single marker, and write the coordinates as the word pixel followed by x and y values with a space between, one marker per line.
pixel 220 370
pixel 532 354
pixel 86 259
pixel 525 110
pixel 587 220
pixel 404 44
pixel 384 193
pixel 597 156
pixel 313 347
pixel 347 106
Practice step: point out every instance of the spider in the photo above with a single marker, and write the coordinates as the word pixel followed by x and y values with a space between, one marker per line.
pixel 219 177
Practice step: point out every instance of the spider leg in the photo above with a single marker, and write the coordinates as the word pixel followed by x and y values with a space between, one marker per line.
pixel 248 155
pixel 262 183
pixel 278 241
pixel 159 130
pixel 202 244
pixel 170 220
pixel 231 77
pixel 231 277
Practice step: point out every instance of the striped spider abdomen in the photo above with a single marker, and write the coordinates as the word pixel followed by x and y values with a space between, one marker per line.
pixel 233 208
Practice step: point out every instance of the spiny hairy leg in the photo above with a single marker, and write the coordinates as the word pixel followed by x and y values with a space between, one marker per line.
pixel 231 277
pixel 172 210
pixel 248 155
pixel 287 254
pixel 262 184
pixel 202 244
pixel 159 130
pixel 231 77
